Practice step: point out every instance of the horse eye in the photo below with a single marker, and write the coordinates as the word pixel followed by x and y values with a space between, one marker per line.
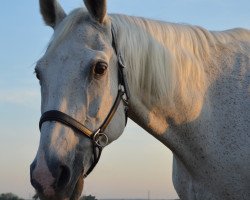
pixel 100 68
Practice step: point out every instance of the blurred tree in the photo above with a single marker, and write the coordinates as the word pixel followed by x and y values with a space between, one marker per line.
pixel 9 196
pixel 89 197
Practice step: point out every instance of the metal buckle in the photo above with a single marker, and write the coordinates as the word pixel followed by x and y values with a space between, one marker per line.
pixel 101 139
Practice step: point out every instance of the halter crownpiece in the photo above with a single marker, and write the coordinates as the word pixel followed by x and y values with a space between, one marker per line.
pixel 98 137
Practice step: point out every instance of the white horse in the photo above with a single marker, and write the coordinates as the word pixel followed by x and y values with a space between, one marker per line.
pixel 189 88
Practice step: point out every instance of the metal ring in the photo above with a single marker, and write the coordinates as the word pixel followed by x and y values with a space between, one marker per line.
pixel 101 139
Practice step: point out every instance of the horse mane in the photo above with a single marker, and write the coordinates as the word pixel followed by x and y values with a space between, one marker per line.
pixel 166 62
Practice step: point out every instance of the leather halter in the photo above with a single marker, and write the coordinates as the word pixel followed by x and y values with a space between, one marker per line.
pixel 98 137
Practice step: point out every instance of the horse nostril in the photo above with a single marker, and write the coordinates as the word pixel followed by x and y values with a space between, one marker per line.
pixel 63 178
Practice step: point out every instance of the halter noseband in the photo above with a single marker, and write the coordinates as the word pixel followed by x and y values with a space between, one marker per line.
pixel 98 137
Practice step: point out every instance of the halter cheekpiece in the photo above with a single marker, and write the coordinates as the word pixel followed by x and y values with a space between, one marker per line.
pixel 98 137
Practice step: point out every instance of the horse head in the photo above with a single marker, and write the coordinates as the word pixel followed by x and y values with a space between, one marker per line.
pixel 82 100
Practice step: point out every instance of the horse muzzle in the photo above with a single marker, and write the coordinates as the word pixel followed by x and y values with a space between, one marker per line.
pixel 54 180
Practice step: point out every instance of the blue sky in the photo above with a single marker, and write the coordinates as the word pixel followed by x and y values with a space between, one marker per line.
pixel 135 163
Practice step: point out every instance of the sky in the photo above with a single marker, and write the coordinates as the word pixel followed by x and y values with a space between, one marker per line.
pixel 133 165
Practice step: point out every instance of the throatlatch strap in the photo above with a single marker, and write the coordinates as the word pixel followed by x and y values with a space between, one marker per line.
pixel 121 66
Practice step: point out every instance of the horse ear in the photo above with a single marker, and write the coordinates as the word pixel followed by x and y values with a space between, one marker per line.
pixel 52 12
pixel 97 9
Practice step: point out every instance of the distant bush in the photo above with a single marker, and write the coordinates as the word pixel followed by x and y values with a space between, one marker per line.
pixel 9 196
pixel 89 197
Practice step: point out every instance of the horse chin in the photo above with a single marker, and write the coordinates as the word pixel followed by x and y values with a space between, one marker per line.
pixel 78 189
pixel 75 195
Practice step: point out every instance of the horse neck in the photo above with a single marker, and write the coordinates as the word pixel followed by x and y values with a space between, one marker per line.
pixel 166 69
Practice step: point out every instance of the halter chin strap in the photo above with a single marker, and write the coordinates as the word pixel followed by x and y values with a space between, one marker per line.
pixel 98 137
